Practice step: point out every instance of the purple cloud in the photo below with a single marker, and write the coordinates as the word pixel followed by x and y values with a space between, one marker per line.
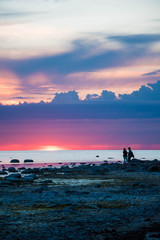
pixel 151 73
pixel 148 93
pixel 105 96
pixel 137 38
pixel 66 98
pixel 144 103
pixel 79 59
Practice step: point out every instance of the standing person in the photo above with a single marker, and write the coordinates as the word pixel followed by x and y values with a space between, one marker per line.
pixel 130 155
pixel 125 155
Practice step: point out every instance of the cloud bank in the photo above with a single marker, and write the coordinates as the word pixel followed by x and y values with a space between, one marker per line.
pixel 144 103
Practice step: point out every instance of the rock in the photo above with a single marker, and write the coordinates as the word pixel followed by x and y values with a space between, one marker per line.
pixel 99 172
pixel 12 169
pixel 38 190
pixel 47 181
pixel 97 185
pixel 41 189
pixel 136 184
pixel 28 178
pixel 142 185
pixel 33 175
pixel 137 161
pixel 14 175
pixel 21 168
pixel 28 161
pixel 1 182
pixel 154 168
pixel 97 156
pixel 3 172
pixel 14 161
pixel 30 170
pixel 27 171
pixel 12 179
pixel 120 162
pixel 155 161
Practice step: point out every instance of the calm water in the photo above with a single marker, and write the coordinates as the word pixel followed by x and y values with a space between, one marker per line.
pixel 74 156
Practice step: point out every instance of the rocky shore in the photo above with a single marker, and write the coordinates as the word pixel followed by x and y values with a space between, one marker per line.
pixel 84 202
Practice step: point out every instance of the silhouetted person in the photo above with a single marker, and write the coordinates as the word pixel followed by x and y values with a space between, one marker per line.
pixel 130 155
pixel 125 155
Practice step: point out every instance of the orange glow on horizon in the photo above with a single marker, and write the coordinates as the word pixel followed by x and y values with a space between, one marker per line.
pixel 18 147
pixel 52 148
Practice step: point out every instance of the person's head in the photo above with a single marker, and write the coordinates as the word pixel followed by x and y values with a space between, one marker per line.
pixel 124 149
pixel 129 148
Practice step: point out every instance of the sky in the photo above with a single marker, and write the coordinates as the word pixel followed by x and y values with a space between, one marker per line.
pixel 79 74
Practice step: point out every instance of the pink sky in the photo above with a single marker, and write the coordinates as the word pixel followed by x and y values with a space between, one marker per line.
pixel 80 134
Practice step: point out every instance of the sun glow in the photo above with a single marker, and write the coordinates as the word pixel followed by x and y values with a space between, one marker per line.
pixel 52 148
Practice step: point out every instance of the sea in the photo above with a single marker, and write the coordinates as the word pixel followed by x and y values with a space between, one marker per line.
pixel 55 158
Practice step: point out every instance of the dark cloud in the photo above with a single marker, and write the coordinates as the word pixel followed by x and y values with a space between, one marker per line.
pixel 72 97
pixel 137 38
pixel 65 98
pixel 151 73
pixel 83 110
pixel 79 58
pixel 105 96
pixel 144 103
pixel 148 93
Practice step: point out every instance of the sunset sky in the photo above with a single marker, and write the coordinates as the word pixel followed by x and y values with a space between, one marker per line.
pixel 79 74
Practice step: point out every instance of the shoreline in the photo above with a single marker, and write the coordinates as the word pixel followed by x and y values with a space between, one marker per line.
pixel 48 164
pixel 71 163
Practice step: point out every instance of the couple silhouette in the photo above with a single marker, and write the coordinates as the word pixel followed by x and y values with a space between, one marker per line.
pixel 127 155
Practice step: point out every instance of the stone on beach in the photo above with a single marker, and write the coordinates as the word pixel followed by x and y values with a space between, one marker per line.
pixel 31 170
pixel 12 169
pixel 3 172
pixel 21 168
pixel 28 161
pixel 14 161
pixel 12 178
pixel 28 178
pixel 14 175
pixel 47 181
pixel 154 168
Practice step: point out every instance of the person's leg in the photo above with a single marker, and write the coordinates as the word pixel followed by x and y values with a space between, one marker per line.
pixel 129 160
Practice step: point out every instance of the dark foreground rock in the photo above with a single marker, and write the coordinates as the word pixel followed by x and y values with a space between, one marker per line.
pixel 80 204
